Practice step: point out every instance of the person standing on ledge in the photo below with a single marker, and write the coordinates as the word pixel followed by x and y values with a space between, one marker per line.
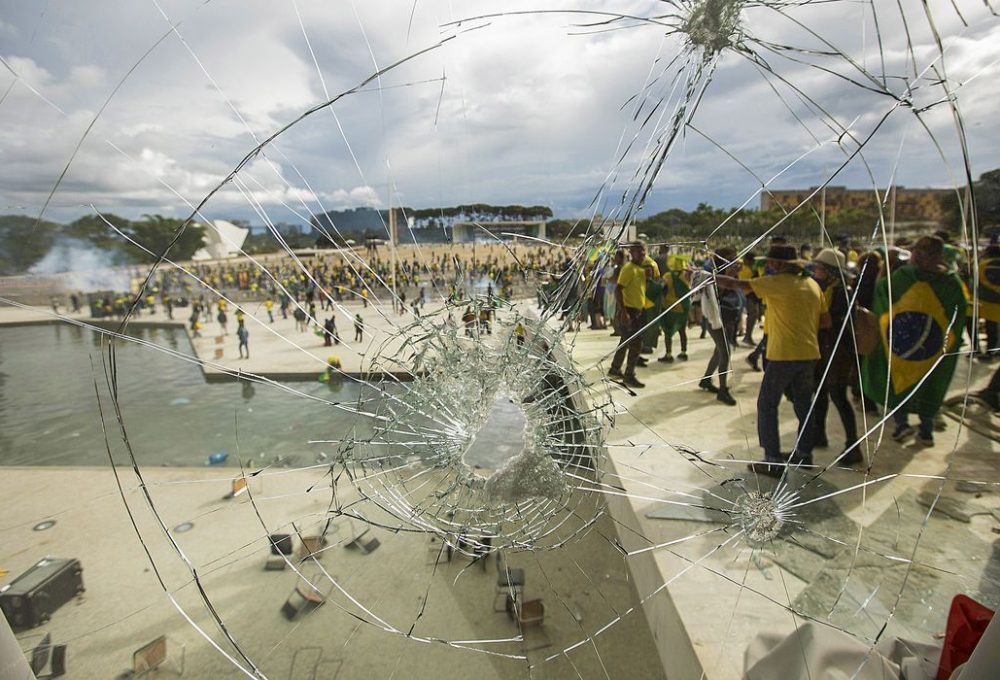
pixel 796 309
pixel 359 328
pixel 630 299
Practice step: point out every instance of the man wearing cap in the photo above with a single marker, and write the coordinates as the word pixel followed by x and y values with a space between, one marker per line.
pixel 796 309
pixel 630 298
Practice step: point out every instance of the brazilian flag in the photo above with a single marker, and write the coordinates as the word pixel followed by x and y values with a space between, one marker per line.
pixel 927 318
pixel 989 289
pixel 654 293
pixel 675 288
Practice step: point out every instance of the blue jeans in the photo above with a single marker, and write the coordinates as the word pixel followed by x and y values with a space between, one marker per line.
pixel 796 376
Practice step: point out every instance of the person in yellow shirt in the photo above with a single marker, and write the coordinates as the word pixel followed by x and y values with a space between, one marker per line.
pixel 269 306
pixel 796 310
pixel 630 296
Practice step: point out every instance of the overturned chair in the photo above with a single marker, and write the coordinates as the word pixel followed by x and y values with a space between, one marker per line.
pixel 361 541
pixel 303 599
pixel 156 656
pixel 281 549
pixel 510 586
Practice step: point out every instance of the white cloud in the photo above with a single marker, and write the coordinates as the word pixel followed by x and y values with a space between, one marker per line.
pixel 358 196
pixel 531 110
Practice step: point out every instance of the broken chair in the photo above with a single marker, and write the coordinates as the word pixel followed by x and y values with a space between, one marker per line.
pixel 154 656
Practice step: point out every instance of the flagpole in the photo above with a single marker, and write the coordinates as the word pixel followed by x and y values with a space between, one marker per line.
pixel 822 214
pixel 892 214
pixel 392 246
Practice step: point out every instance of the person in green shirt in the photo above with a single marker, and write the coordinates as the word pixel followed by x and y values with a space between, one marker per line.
pixel 676 305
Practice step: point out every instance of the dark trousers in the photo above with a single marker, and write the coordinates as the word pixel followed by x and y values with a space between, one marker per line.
pixel 668 340
pixel 838 395
pixel 630 340
pixel 994 385
pixel 720 358
pixel 796 376
pixel 992 337
pixel 753 316
pixel 926 427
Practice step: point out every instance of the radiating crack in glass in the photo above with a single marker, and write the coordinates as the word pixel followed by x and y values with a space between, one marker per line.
pixel 436 389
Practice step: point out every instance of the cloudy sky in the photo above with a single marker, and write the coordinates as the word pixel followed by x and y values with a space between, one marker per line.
pixel 148 105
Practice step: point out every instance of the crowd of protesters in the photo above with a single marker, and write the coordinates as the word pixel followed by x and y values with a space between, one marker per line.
pixel 347 276
pixel 877 332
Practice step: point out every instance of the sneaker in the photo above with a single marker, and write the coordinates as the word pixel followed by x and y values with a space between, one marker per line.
pixel 752 360
pixel 666 359
pixel 641 362
pixel 903 432
pixel 683 356
pixel 706 384
pixel 631 381
pixel 615 373
pixel 925 441
pixel 725 397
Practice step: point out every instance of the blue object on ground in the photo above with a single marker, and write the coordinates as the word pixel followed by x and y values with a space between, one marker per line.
pixel 217 457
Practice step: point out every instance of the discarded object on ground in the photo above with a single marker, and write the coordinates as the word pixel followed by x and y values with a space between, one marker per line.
pixel 32 598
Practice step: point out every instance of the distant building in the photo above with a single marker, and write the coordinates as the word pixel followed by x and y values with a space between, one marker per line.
pixel 911 205
pixel 467 232
pixel 615 229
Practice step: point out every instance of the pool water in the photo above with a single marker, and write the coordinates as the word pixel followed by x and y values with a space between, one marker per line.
pixel 49 409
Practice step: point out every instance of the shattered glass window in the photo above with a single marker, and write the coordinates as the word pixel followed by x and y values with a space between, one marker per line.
pixel 284 445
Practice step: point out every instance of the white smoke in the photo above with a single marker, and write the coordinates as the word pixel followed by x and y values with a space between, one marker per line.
pixel 80 266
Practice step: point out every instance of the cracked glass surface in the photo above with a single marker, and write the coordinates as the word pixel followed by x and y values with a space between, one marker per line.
pixel 502 445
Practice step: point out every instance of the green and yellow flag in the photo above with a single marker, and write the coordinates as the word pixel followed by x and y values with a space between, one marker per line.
pixel 926 319
pixel 675 291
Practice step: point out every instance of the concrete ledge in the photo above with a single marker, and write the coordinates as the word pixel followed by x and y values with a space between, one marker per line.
pixel 677 653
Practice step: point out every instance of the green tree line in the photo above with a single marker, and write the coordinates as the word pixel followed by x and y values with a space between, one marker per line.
pixel 24 240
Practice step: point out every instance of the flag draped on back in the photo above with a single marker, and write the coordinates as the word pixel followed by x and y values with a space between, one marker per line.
pixel 676 299
pixel 923 324
pixel 675 289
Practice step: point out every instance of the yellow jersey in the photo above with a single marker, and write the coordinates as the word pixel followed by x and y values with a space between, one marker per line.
pixel 632 283
pixel 794 306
